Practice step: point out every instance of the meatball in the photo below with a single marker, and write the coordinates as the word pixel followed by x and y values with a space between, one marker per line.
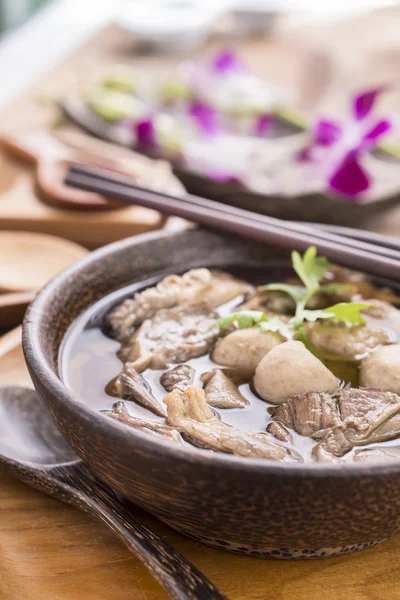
pixel 381 369
pixel 290 369
pixel 245 348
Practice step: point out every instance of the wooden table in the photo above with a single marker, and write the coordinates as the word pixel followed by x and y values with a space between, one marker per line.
pixel 53 552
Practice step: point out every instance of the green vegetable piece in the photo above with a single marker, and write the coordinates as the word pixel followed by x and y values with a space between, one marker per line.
pixel 310 268
pixel 121 79
pixel 113 105
pixel 297 292
pixel 242 320
pixel 348 312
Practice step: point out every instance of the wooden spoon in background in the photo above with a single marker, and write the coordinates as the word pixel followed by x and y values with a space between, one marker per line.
pixel 13 369
pixel 29 260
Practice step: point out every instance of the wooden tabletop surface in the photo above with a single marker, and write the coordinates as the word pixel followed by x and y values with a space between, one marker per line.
pixel 49 551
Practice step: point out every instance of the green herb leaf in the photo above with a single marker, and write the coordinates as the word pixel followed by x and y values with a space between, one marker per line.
pixel 348 312
pixel 310 268
pixel 314 315
pixel 297 292
pixel 242 319
pixel 275 324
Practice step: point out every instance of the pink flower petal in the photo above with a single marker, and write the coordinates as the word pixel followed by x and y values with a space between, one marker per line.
pixel 350 179
pixel 224 177
pixel 226 61
pixel 206 116
pixel 326 132
pixel 364 102
pixel 264 124
pixel 377 131
pixel 145 134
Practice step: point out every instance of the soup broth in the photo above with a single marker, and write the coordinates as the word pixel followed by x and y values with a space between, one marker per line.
pixel 92 357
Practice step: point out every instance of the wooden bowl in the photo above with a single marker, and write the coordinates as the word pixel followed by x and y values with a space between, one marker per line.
pixel 244 505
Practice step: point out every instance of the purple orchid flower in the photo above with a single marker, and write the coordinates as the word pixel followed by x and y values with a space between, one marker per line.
pixel 206 116
pixel 145 134
pixel 338 150
pixel 264 124
pixel 225 62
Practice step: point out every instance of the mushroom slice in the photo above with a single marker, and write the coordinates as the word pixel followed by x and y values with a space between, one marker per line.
pixel 245 348
pixel 221 392
pixel 129 385
pixel 280 432
pixel 120 413
pixel 389 452
pixel 188 411
pixel 173 335
pixel 179 378
pixel 169 292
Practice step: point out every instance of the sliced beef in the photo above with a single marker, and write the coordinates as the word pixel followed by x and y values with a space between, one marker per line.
pixel 189 412
pixel 367 416
pixel 308 414
pixel 178 378
pixel 224 288
pixel 245 348
pixel 221 392
pixel 172 336
pixel 213 287
pixel 120 413
pixel 130 385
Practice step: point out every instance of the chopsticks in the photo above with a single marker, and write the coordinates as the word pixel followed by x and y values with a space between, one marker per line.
pixel 368 257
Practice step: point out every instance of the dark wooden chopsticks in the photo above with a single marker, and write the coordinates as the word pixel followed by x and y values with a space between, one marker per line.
pixel 365 256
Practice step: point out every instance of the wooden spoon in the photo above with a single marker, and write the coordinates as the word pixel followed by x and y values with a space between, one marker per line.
pixel 31 259
pixel 32 449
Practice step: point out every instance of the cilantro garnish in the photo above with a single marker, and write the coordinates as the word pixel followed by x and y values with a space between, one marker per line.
pixel 310 269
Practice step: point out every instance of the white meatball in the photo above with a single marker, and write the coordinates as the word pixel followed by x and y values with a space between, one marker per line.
pixel 381 369
pixel 245 348
pixel 290 369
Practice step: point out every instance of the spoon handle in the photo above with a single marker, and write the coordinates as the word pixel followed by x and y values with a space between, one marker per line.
pixel 180 578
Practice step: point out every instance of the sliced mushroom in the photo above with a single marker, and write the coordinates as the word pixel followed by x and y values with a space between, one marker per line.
pixel 120 413
pixel 221 392
pixel 189 412
pixel 280 432
pixel 129 385
pixel 178 378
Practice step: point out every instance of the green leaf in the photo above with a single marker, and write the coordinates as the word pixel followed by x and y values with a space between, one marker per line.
pixel 310 268
pixel 242 319
pixel 314 315
pixel 348 312
pixel 297 292
pixel 275 324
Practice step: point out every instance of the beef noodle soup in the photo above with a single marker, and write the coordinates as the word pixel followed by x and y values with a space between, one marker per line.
pixel 305 369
